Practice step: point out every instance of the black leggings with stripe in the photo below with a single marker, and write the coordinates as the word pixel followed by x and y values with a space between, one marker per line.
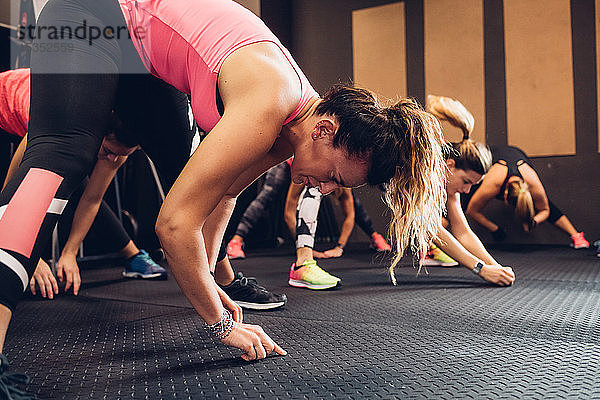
pixel 73 94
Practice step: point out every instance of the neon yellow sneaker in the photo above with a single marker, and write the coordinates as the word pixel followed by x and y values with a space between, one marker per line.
pixel 309 275
pixel 437 258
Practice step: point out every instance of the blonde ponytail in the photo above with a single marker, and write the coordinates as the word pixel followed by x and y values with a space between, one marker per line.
pixel 404 147
pixel 453 111
pixel 417 191
pixel 520 198
pixel 467 154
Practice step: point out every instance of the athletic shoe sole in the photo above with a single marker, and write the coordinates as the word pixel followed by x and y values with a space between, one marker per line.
pixel 377 249
pixel 308 285
pixel 139 275
pixel 236 258
pixel 435 263
pixel 260 306
pixel 583 246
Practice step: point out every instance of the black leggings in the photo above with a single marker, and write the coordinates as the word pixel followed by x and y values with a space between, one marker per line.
pixel 555 212
pixel 276 181
pixel 361 217
pixel 73 93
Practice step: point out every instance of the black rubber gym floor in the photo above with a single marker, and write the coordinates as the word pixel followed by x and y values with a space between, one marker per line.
pixel 442 335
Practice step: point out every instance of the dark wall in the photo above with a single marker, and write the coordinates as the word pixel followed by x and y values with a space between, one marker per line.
pixel 321 42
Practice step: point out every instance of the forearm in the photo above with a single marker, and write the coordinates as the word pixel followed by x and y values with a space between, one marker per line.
pixel 541 216
pixel 484 221
pixel 291 204
pixel 290 221
pixel 91 199
pixel 185 251
pixel 15 161
pixel 473 245
pixel 347 228
pixel 86 212
pixel 454 249
pixel 214 228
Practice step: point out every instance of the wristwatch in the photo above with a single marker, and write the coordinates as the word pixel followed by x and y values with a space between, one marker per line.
pixel 477 267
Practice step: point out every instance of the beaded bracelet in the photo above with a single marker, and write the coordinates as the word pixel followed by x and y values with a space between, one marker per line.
pixel 221 329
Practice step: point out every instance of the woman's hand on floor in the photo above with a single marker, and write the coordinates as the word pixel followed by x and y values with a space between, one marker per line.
pixel 253 341
pixel 318 254
pixel 336 252
pixel 503 276
pixel 331 253
pixel 45 280
pixel 68 269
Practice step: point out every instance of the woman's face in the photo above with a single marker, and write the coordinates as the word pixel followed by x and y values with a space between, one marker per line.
pixel 459 180
pixel 319 164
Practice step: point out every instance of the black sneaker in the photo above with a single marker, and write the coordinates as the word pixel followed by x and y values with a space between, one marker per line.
pixel 247 293
pixel 8 382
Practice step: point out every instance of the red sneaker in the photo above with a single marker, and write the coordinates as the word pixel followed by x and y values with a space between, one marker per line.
pixel 579 242
pixel 378 243
pixel 234 249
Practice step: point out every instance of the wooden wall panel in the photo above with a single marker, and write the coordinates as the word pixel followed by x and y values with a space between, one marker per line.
pixel 379 50
pixel 598 65
pixel 539 76
pixel 454 59
pixel 252 5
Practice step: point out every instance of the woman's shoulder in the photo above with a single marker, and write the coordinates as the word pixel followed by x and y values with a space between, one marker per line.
pixel 496 171
pixel 260 72
pixel 494 178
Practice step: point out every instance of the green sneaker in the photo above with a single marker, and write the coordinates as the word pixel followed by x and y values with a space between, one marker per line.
pixel 437 258
pixel 309 275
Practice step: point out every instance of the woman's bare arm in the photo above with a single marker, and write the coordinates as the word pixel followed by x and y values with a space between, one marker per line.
pixel 463 232
pixel 491 273
pixel 291 204
pixel 15 161
pixel 347 203
pixel 490 187
pixel 237 146
pixel 87 209
pixel 538 193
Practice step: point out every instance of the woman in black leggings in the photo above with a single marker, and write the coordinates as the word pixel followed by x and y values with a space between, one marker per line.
pixel 513 180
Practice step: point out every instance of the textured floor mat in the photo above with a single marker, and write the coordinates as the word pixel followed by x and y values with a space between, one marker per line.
pixel 444 335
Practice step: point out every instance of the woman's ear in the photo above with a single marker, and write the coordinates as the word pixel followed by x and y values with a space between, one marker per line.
pixel 325 127
pixel 451 164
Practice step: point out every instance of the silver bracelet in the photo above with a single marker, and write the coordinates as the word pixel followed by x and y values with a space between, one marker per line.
pixel 222 328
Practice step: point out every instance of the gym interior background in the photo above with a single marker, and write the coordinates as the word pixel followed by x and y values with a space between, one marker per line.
pixel 526 69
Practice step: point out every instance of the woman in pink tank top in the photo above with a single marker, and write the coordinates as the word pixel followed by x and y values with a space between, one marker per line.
pixel 258 109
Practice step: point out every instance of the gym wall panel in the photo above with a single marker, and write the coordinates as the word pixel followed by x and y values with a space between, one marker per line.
pixel 5 7
pixel 379 50
pixel 598 66
pixel 252 5
pixel 454 58
pixel 539 77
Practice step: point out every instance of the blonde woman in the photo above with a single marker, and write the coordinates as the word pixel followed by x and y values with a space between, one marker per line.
pixel 467 163
pixel 513 180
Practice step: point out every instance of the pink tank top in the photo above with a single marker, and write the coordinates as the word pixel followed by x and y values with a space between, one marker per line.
pixel 185 42
pixel 14 101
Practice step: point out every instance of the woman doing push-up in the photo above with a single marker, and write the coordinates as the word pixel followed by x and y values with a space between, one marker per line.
pixel 258 108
